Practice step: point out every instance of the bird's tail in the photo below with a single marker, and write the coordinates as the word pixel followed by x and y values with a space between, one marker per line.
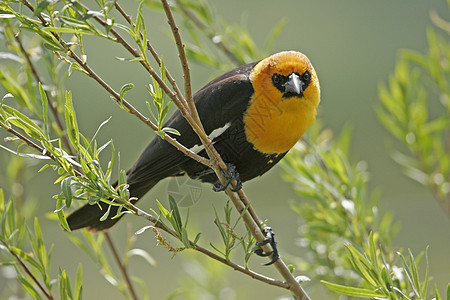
pixel 89 215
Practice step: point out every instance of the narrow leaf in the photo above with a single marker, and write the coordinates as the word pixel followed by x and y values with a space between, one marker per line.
pixel 351 291
pixel 124 89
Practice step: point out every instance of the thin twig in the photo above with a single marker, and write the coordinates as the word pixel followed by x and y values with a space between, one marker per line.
pixel 149 47
pixel 25 268
pixel 186 107
pixel 184 63
pixel 251 220
pixel 195 122
pixel 35 146
pixel 208 253
pixel 181 103
pixel 122 267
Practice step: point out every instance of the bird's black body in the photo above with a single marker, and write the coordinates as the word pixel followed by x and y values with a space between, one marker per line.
pixel 220 104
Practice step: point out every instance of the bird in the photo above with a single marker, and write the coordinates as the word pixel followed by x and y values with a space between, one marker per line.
pixel 253 115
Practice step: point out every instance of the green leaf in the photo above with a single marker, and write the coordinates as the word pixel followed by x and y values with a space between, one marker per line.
pixel 42 6
pixel 425 283
pixel 436 293
pixel 60 213
pixel 122 177
pixel 169 130
pixel 178 224
pixel 44 109
pixel 132 59
pixel 29 259
pixel 373 253
pixel 106 214
pixel 53 46
pixel 197 237
pixel 71 121
pixel 163 211
pixel 222 231
pixel 361 265
pixel 119 212
pixel 352 291
pixel 448 291
pixel 29 288
pixel 28 155
pixel 68 30
pixel 409 274
pixel 66 186
pixel 124 89
pixel 7 16
pixel 22 121
pixel 79 283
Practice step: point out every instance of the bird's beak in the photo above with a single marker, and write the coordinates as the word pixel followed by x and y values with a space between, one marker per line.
pixel 293 85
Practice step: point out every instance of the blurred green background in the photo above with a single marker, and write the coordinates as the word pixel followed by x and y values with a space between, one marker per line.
pixel 353 46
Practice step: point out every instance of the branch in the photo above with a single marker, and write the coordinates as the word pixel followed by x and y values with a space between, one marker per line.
pixel 25 268
pixel 137 211
pixel 180 102
pixel 251 220
pixel 32 144
pixel 149 47
pixel 122 267
pixel 184 63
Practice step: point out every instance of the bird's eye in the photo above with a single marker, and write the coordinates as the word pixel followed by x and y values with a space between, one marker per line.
pixel 276 79
pixel 306 76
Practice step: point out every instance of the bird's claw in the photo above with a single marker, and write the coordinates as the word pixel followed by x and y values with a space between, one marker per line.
pixel 230 175
pixel 270 239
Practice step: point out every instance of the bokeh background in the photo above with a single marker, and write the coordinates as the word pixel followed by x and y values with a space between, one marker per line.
pixel 353 46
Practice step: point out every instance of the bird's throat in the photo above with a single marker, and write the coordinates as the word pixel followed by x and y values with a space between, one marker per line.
pixel 274 127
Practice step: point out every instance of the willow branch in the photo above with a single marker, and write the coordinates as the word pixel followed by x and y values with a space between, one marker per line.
pixel 149 47
pixel 184 63
pixel 137 211
pixel 32 144
pixel 187 108
pixel 251 220
pixel 25 268
pixel 180 102
pixel 122 267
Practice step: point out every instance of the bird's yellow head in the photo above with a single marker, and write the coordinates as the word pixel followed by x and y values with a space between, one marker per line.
pixel 283 106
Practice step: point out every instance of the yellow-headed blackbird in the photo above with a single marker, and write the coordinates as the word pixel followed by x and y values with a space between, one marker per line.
pixel 253 115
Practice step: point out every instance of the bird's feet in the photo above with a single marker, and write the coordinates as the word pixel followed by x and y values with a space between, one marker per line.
pixel 270 239
pixel 230 175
